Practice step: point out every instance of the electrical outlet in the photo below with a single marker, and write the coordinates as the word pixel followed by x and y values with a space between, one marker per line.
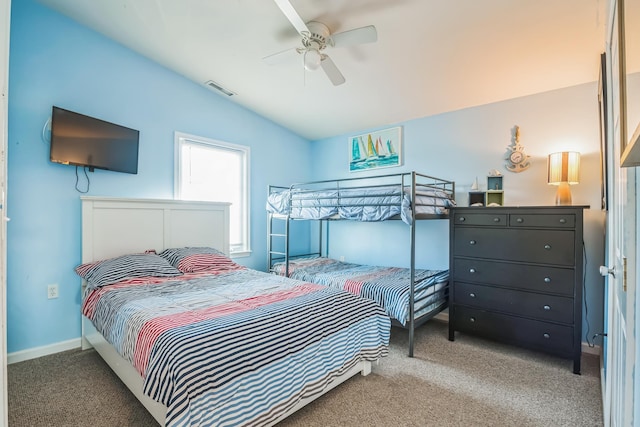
pixel 52 291
pixel 342 258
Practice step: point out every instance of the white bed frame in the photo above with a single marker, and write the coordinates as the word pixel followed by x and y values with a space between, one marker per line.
pixel 112 227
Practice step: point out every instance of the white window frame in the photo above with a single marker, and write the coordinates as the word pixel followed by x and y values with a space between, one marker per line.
pixel 244 249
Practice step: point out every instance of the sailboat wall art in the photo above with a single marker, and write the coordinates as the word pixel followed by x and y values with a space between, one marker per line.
pixel 373 150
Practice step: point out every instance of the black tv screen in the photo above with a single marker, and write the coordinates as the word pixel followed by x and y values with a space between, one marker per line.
pixel 81 140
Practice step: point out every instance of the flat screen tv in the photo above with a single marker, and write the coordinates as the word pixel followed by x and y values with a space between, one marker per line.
pixel 81 140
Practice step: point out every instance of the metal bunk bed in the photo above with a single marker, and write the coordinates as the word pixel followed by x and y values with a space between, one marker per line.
pixel 408 197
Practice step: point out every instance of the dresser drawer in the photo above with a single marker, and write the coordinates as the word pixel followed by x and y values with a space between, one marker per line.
pixel 481 219
pixel 543 220
pixel 533 246
pixel 554 280
pixel 535 334
pixel 526 304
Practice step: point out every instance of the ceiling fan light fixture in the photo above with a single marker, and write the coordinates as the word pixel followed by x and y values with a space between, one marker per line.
pixel 312 59
pixel 316 36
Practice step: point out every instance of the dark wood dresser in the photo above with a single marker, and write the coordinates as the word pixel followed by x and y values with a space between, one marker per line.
pixel 516 276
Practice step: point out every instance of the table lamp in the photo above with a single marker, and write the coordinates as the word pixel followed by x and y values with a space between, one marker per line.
pixel 563 169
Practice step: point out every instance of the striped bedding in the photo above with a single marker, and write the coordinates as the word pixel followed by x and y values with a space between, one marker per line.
pixel 359 204
pixel 236 348
pixel 388 286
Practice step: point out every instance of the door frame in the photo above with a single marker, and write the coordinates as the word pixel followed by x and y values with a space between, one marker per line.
pixel 5 21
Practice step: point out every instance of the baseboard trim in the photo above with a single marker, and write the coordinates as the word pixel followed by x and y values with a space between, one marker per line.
pixel 33 353
pixel 595 350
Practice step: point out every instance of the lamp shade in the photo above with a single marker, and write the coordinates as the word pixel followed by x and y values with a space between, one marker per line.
pixel 563 167
pixel 312 59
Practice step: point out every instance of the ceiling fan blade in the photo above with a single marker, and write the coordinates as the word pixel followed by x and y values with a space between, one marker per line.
pixel 332 71
pixel 291 14
pixel 367 34
pixel 284 56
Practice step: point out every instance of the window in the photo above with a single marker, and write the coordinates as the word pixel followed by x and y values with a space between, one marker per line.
pixel 218 171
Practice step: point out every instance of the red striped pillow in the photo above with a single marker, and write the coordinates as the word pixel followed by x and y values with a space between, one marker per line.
pixel 202 262
pixel 195 259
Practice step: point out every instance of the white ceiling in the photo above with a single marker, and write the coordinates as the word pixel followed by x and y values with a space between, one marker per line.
pixel 432 56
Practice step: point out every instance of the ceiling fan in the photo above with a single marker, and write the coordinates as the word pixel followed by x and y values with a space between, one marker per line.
pixel 316 36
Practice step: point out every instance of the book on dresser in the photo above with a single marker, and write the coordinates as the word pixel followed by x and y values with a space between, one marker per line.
pixel 516 276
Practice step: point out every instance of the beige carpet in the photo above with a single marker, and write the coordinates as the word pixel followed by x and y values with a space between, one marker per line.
pixel 469 382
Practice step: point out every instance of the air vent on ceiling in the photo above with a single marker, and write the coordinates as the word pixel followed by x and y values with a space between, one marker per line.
pixel 216 86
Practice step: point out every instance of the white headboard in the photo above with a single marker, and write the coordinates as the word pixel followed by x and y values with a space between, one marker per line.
pixel 113 226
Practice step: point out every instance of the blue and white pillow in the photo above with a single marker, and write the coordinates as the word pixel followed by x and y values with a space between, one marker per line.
pixel 114 270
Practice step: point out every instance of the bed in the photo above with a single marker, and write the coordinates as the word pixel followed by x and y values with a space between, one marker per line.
pixel 409 197
pixel 387 286
pixel 200 339
pixel 365 199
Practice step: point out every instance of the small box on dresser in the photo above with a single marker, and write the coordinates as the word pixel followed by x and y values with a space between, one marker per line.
pixel 516 276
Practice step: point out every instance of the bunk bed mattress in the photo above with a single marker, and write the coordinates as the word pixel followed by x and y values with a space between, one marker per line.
pixel 362 204
pixel 387 286
pixel 235 347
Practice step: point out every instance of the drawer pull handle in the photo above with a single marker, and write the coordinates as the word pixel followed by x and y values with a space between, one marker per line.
pixel 472 295
pixel 472 319
pixel 546 335
pixel 520 220
pixel 563 221
pixel 547 280
pixel 547 247
pixel 472 242
pixel 547 307
pixel 461 219
pixel 496 219
pixel 472 270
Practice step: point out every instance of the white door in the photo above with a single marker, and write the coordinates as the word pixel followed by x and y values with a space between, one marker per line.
pixel 621 244
pixel 5 15
pixel 620 342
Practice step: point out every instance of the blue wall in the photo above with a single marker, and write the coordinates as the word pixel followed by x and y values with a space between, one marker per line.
pixel 55 61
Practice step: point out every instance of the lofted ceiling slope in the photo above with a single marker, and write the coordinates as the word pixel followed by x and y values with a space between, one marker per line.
pixel 430 57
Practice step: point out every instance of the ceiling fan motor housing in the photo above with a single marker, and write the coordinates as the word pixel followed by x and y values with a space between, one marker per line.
pixel 317 39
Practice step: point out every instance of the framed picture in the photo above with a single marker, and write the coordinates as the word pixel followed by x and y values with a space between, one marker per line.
pixel 373 150
pixel 629 21
pixel 604 130
pixel 615 100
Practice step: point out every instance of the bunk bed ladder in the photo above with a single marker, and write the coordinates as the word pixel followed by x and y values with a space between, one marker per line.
pixel 271 236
